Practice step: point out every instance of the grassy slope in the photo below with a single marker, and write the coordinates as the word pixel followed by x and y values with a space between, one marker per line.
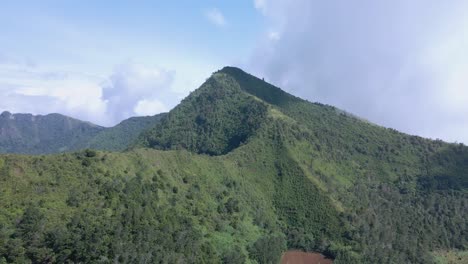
pixel 451 257
pixel 361 165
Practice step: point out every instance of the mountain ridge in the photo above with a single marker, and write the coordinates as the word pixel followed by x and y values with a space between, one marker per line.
pixel 25 133
pixel 120 136
pixel 238 174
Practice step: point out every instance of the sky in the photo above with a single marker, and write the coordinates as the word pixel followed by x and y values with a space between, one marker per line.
pixel 400 64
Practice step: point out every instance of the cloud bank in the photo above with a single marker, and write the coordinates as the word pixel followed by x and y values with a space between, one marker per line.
pixel 130 90
pixel 401 64
pixel 134 89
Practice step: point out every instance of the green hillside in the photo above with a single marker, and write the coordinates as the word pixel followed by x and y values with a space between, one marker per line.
pixel 239 172
pixel 214 119
pixel 119 137
pixel 55 133
pixel 38 134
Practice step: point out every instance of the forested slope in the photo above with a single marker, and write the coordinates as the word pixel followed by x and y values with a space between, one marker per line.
pixel 43 134
pixel 55 133
pixel 239 172
pixel 122 135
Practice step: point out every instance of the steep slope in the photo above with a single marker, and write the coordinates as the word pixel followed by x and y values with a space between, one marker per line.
pixel 358 165
pixel 237 173
pixel 213 120
pixel 119 137
pixel 150 205
pixel 29 134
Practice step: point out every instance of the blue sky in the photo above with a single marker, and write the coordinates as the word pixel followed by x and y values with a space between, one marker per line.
pixel 103 32
pixel 86 42
pixel 401 64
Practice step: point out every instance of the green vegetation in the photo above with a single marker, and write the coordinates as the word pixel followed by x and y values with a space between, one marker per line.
pixel 267 249
pixel 237 173
pixel 54 133
pixel 28 134
pixel 213 120
pixel 119 137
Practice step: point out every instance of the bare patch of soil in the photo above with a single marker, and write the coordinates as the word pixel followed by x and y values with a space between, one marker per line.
pixel 299 257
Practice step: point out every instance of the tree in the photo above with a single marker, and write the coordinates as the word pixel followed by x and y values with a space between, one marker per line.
pixel 268 249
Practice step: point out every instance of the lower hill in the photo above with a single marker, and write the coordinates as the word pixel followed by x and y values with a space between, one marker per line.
pixel 240 172
pixel 160 206
pixel 55 133
pixel 43 134
pixel 119 137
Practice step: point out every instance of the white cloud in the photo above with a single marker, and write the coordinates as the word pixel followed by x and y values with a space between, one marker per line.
pixel 42 91
pixel 132 89
pixel 149 107
pixel 216 17
pixel 130 83
pixel 399 63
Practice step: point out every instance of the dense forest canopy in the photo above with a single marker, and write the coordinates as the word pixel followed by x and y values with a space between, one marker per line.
pixel 55 133
pixel 239 172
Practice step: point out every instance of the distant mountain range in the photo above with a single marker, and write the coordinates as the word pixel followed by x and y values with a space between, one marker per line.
pixel 55 133
pixel 239 172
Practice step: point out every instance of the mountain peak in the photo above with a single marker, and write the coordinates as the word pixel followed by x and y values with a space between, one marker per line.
pixel 225 112
pixel 231 69
pixel 215 119
pixel 259 87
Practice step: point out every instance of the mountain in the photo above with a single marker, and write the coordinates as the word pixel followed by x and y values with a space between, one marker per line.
pixel 119 137
pixel 214 120
pixel 55 133
pixel 41 134
pixel 239 172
